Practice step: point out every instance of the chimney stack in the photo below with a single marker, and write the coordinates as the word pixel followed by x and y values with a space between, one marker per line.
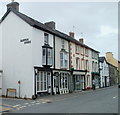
pixel 50 24
pixel 81 40
pixel 14 5
pixel 71 34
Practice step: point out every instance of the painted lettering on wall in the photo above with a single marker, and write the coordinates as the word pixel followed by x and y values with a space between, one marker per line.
pixel 26 41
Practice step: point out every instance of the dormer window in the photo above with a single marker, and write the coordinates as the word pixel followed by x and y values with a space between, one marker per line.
pixel 46 38
pixel 62 44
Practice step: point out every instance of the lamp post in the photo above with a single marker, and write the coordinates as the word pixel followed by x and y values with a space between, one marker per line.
pixel 19 87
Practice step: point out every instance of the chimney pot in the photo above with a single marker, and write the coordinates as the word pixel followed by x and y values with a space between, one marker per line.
pixel 71 34
pixel 81 40
pixel 14 5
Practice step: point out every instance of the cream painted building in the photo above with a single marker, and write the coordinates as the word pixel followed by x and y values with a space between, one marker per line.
pixel 82 62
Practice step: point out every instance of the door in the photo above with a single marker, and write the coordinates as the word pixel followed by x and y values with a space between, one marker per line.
pixel 54 85
pixel 105 81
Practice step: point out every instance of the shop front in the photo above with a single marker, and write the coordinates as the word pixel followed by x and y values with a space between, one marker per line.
pixel 79 80
pixel 61 81
pixel 43 78
pixel 96 79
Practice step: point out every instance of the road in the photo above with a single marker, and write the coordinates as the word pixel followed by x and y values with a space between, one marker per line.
pixel 98 101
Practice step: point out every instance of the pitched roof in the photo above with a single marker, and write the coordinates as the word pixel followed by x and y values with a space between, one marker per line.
pixel 101 59
pixel 41 26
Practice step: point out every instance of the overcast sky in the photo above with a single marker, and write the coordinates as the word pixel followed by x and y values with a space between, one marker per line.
pixel 98 21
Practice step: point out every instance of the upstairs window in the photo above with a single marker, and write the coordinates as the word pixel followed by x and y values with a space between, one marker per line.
pixel 92 54
pixel 46 38
pixel 93 66
pixel 86 52
pixel 47 56
pixel 82 50
pixel 62 44
pixel 77 63
pixel 82 64
pixel 44 56
pixel 63 60
pixel 76 48
pixel 87 65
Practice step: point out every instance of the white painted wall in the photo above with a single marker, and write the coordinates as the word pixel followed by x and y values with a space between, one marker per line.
pixel 0 59
pixel 17 56
pixel 37 43
pixel 0 47
pixel 104 72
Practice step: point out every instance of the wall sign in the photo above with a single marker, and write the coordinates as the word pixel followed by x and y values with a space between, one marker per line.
pixel 25 41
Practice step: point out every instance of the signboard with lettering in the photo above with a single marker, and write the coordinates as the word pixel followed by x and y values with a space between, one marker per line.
pixel 25 41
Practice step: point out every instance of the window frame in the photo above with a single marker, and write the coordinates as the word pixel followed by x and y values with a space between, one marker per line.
pixel 46 38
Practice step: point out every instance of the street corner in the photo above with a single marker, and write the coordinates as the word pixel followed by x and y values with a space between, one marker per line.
pixel 4 108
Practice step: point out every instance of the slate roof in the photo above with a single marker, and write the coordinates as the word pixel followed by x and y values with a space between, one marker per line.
pixel 41 26
pixel 101 59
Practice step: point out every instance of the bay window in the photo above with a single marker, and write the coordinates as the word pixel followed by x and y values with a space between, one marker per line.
pixel 63 60
pixel 46 55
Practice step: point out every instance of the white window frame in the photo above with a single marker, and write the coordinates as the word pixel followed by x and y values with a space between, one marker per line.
pixel 42 80
pixel 77 48
pixel 77 63
pixel 49 57
pixel 64 60
pixel 62 43
pixel 46 38
pixel 43 57
pixel 82 64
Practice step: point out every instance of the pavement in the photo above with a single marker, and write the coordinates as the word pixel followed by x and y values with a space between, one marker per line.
pixel 99 100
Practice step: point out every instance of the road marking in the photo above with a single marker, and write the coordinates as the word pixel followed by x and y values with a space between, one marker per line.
pixel 29 105
pixel 33 102
pixel 38 103
pixel 16 105
pixel 43 102
pixel 114 97
pixel 26 103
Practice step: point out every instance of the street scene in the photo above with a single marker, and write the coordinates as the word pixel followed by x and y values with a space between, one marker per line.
pixel 59 58
pixel 98 101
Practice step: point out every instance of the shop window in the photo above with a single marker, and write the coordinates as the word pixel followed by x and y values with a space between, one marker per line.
pixel 42 82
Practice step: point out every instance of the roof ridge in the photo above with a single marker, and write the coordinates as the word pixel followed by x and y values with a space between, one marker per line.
pixel 39 25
